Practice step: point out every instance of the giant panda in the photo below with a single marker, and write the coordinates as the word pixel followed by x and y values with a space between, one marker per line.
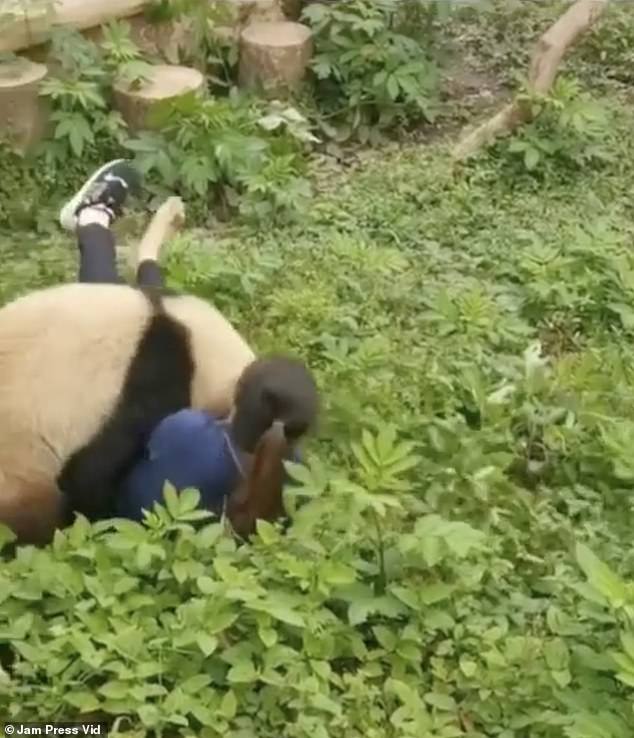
pixel 87 370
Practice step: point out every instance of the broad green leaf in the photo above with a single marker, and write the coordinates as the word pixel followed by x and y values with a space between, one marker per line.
pixel 208 536
pixel 440 701
pixel 149 715
pixel 206 643
pixel 171 499
pixel 432 593
pixel 267 533
pixel 268 636
pixel 229 705
pixel 627 640
pixel 207 585
pixel 7 536
pixel 189 500
pixel 115 690
pixel 556 655
pixel 195 683
pixel 531 158
pixel 84 701
pixel 242 673
pixel 601 577
pixel 468 667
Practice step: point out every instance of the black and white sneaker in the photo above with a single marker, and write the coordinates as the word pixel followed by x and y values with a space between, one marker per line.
pixel 106 189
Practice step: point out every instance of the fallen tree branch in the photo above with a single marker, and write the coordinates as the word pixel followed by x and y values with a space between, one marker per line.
pixel 549 51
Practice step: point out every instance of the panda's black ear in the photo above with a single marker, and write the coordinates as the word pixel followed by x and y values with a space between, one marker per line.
pixel 274 388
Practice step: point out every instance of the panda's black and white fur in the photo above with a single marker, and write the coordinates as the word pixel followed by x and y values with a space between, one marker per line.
pixel 88 370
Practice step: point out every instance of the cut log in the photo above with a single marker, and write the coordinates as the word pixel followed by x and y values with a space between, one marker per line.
pixel 23 113
pixel 274 56
pixel 20 29
pixel 166 83
pixel 549 52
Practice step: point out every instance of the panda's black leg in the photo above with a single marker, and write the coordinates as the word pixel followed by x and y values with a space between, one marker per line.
pixel 91 478
pixel 158 383
pixel 150 275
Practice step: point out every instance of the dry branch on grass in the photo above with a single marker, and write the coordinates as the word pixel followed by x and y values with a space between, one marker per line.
pixel 550 49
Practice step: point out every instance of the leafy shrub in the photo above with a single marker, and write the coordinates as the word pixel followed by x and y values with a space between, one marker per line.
pixel 371 71
pixel 219 148
pixel 317 631
pixel 609 47
pixel 609 606
pixel 569 130
pixel 79 89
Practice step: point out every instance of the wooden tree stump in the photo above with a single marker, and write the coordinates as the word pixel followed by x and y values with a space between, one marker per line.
pixel 166 83
pixel 274 56
pixel 23 113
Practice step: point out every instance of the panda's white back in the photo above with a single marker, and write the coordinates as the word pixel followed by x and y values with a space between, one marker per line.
pixel 219 352
pixel 64 353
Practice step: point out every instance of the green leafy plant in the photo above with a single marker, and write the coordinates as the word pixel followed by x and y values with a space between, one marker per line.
pixel 216 149
pixel 293 617
pixel 80 91
pixel 371 71
pixel 569 129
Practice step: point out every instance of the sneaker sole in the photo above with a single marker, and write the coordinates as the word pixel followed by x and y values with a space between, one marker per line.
pixel 67 213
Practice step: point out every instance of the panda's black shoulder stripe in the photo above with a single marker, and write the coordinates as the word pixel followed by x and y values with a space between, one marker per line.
pixel 157 383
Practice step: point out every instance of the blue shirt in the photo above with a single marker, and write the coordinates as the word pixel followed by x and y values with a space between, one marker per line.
pixel 189 449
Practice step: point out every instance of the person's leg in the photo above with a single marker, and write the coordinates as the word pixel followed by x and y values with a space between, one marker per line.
pixel 90 213
pixel 97 251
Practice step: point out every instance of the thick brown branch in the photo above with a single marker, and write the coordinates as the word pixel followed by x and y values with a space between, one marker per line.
pixel 545 62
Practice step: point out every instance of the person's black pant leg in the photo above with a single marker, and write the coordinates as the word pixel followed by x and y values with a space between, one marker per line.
pixel 97 254
pixel 98 259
